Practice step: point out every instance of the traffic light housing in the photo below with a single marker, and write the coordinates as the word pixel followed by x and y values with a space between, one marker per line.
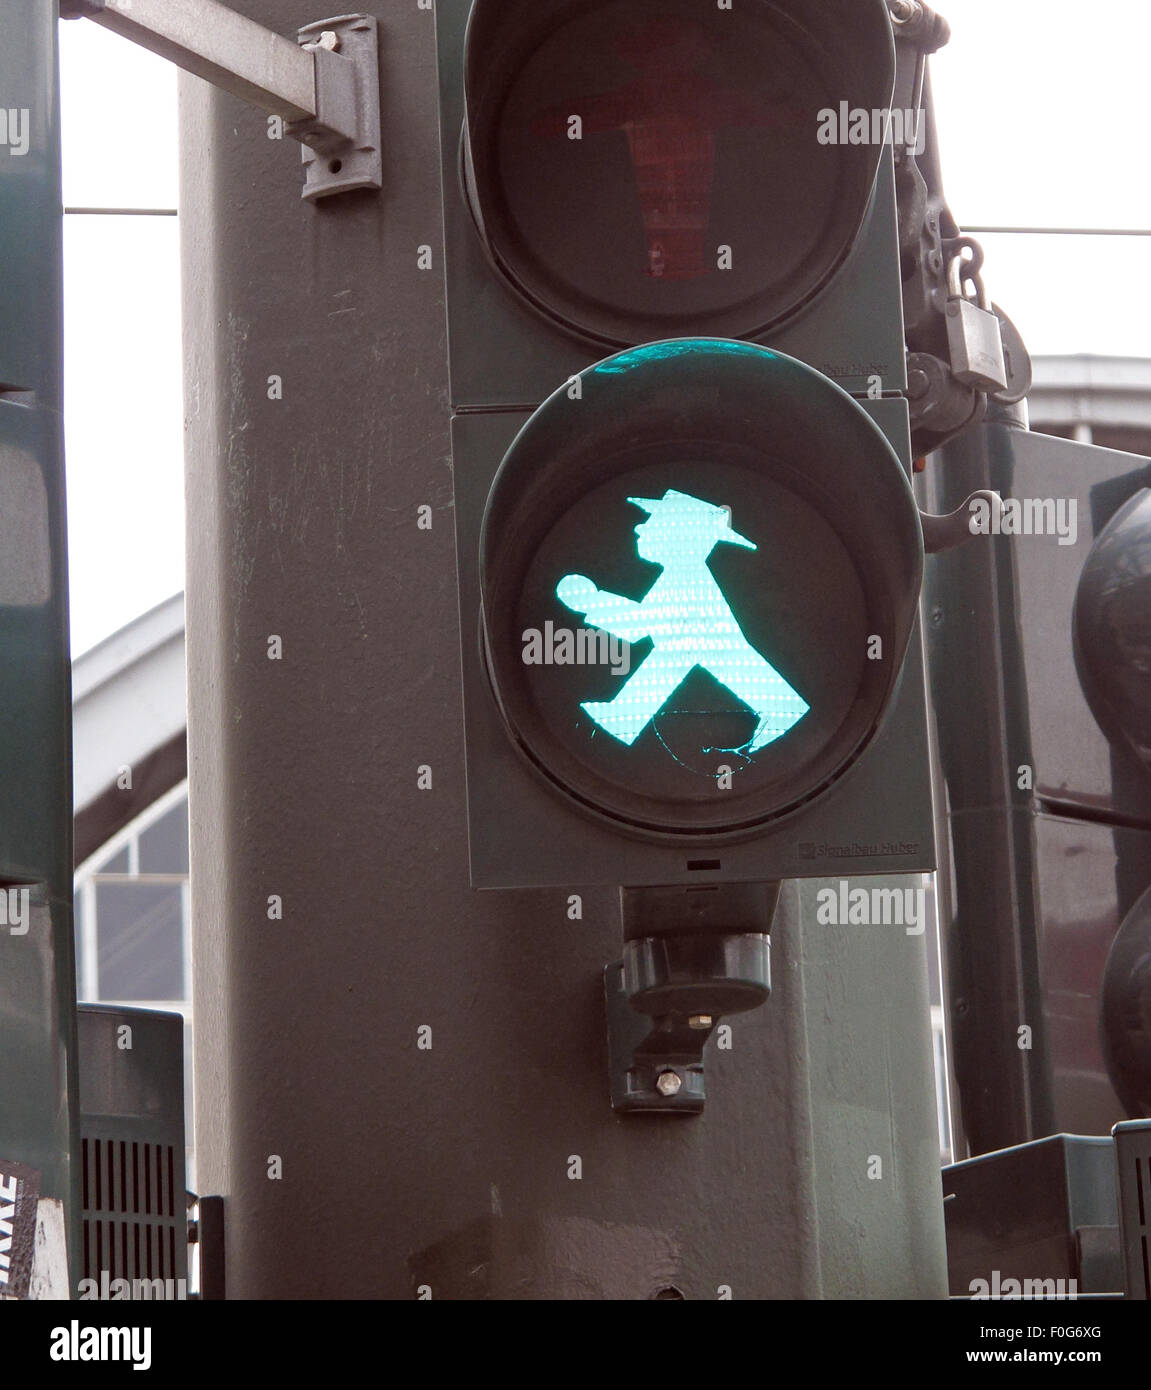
pixel 1044 909
pixel 793 242
pixel 579 116
pixel 648 240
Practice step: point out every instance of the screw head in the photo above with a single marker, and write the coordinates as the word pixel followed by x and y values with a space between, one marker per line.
pixel 700 1021
pixel 668 1083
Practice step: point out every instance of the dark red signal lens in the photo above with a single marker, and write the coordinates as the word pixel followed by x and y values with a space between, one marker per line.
pixel 642 167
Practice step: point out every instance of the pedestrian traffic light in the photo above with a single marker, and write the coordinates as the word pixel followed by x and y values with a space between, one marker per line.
pixel 689 553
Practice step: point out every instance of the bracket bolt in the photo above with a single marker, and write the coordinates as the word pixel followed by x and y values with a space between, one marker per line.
pixel 668 1083
pixel 700 1021
pixel 328 39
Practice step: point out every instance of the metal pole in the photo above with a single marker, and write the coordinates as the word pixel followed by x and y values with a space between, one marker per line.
pixel 216 43
pixel 323 89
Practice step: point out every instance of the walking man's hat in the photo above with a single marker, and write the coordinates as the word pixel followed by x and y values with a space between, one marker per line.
pixel 698 511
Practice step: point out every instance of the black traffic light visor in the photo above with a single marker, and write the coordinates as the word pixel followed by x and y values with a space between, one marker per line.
pixel 643 168
pixel 747 536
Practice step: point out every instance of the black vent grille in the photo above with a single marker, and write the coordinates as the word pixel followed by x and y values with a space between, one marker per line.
pixel 133 1209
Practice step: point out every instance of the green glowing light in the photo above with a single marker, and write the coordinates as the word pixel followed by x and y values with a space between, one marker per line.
pixel 689 621
pixel 678 347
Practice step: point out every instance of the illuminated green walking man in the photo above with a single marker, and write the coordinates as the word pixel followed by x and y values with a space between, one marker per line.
pixel 689 621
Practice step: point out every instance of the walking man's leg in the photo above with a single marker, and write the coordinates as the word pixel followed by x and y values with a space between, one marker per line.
pixel 643 696
pixel 760 686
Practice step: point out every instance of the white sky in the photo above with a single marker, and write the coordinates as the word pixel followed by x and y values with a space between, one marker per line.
pixel 123 405
pixel 1043 121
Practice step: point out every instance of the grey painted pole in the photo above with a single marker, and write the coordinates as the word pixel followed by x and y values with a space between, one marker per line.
pixel 402 1085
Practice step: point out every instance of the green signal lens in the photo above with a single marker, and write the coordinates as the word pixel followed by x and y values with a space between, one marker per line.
pixel 699 570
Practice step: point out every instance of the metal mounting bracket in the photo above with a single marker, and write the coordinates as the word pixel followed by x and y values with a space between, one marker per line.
pixel 325 87
pixel 641 1050
pixel 664 1000
pixel 347 100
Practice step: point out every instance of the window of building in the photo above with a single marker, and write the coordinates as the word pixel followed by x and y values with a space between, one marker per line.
pixel 133 926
